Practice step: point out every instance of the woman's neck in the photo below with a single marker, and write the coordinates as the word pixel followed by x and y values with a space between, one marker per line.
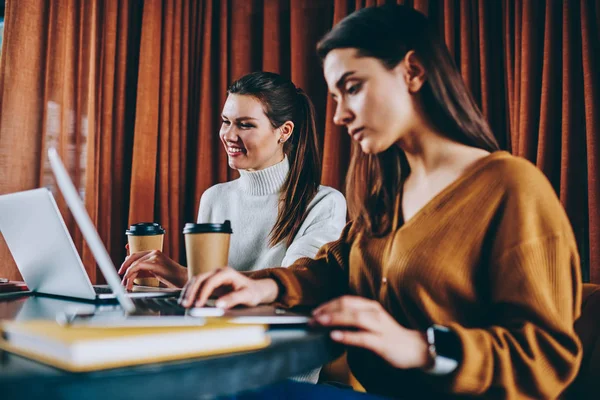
pixel 428 152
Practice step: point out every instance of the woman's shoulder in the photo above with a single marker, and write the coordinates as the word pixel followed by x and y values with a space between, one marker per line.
pixel 220 189
pixel 527 206
pixel 327 202
pixel 520 187
pixel 329 191
pixel 515 174
pixel 328 194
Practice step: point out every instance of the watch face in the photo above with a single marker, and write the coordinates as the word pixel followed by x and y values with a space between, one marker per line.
pixel 447 343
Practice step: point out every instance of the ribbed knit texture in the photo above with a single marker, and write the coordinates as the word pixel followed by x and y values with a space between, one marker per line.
pixel 266 181
pixel 251 204
pixel 493 257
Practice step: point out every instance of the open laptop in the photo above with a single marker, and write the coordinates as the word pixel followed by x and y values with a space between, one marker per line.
pixel 145 307
pixel 44 252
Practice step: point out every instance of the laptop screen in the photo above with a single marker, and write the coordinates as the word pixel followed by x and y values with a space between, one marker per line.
pixel 88 229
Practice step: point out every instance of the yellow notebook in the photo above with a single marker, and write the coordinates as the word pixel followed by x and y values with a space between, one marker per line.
pixel 81 349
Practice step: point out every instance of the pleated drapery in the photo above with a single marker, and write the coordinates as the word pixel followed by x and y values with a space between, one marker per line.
pixel 131 92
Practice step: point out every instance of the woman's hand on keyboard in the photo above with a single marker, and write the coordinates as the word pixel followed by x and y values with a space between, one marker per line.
pixel 153 263
pixel 239 289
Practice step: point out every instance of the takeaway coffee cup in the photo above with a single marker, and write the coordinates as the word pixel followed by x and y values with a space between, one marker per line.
pixel 143 237
pixel 206 246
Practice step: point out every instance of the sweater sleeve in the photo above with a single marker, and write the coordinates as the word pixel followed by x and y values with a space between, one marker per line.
pixel 204 209
pixel 529 348
pixel 324 223
pixel 310 282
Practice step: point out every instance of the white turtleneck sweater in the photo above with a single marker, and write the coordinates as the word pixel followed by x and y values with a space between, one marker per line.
pixel 251 204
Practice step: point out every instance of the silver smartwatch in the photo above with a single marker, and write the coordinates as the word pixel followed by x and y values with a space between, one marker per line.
pixel 444 349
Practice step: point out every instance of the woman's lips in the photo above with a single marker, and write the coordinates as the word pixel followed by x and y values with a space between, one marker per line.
pixel 357 134
pixel 234 151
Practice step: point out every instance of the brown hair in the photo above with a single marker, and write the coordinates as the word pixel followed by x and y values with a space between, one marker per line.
pixel 387 33
pixel 283 101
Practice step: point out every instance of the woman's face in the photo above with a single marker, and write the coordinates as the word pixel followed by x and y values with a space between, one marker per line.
pixel 249 139
pixel 373 102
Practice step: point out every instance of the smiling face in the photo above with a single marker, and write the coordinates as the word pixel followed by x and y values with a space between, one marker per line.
pixel 373 102
pixel 249 139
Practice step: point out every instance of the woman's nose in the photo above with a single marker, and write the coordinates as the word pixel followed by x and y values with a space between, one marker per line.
pixel 228 133
pixel 342 114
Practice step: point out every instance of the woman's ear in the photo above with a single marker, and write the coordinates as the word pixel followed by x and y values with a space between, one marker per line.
pixel 414 72
pixel 285 131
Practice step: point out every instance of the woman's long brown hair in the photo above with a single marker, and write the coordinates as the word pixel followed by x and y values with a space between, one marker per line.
pixel 283 101
pixel 387 33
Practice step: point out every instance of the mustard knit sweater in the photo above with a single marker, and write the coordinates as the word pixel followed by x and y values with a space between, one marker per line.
pixel 493 257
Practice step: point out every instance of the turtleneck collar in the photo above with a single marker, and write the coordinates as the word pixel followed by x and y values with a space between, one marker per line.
pixel 266 181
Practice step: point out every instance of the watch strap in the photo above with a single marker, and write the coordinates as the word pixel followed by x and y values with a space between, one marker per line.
pixel 442 363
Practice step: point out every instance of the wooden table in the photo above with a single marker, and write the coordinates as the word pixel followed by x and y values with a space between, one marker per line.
pixel 292 351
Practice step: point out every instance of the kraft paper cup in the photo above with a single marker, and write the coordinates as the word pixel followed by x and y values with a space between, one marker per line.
pixel 206 246
pixel 145 236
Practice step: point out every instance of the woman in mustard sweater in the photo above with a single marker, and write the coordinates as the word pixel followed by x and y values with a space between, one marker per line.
pixel 458 274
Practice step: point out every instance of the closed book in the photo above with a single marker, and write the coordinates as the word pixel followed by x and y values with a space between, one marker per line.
pixel 81 349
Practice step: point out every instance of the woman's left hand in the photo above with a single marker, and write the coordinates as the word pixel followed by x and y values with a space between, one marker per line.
pixel 360 322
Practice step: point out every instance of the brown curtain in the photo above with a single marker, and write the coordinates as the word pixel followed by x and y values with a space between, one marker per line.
pixel 132 91
pixel 65 79
pixel 552 75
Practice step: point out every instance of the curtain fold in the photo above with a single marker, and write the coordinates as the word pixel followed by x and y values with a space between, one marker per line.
pixel 20 138
pixel 211 164
pixel 64 82
pixel 590 33
pixel 548 100
pixel 131 92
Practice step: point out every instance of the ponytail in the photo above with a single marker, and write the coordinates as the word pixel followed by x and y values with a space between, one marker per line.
pixel 304 178
pixel 283 102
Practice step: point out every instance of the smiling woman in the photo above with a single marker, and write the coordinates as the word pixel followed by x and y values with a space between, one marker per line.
pixel 278 209
pixel 248 136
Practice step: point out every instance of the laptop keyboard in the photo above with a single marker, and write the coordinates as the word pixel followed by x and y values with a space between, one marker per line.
pixel 161 305
pixel 102 290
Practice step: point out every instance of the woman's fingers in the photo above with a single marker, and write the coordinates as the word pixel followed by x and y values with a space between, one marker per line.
pixel 360 319
pixel 128 282
pixel 350 312
pixel 167 282
pixel 189 292
pixel 143 264
pixel 222 277
pixel 344 302
pixel 185 288
pixel 366 340
pixel 130 276
pixel 131 259
pixel 235 298
pixel 198 293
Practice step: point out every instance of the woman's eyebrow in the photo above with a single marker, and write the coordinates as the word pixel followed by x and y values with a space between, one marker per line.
pixel 245 118
pixel 340 82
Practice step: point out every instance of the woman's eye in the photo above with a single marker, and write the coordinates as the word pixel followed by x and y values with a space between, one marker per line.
pixel 226 122
pixel 246 126
pixel 353 89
